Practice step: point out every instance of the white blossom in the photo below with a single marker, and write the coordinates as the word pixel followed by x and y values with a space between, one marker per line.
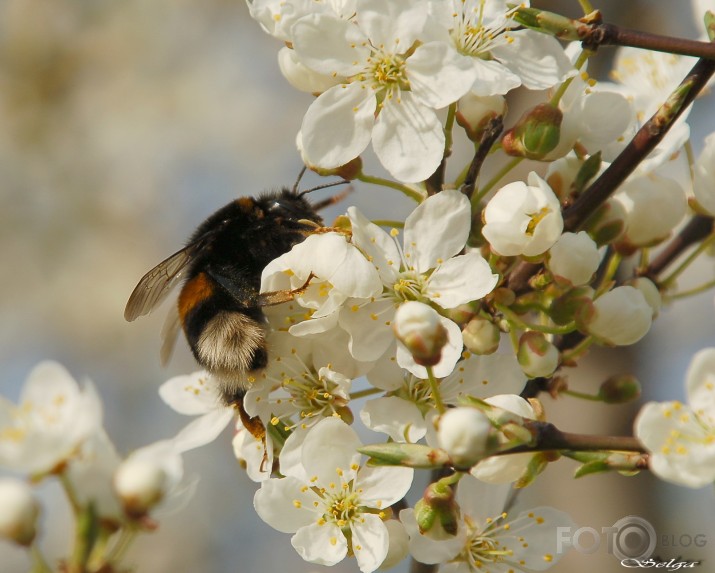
pixel 680 437
pixel 622 316
pixel 523 219
pixel 502 58
pixel 330 502
pixel 51 421
pixel 428 268
pixel 391 92
pixel 403 414
pixel 488 539
pixel 197 394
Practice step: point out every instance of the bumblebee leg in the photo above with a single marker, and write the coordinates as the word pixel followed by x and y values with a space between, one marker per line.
pixel 253 425
pixel 281 296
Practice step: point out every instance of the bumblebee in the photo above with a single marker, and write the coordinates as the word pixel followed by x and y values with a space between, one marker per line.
pixel 220 305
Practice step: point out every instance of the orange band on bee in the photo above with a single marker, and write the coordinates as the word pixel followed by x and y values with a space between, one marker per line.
pixel 194 291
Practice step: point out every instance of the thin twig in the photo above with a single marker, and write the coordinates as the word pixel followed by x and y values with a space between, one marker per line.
pixel 489 136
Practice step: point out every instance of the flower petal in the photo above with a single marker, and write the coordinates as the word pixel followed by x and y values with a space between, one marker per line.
pixel 285 504
pixel 438 75
pixel 338 125
pixel 380 487
pixel 191 394
pixel 330 45
pixel 398 418
pixel 461 279
pixel 437 229
pixel 330 448
pixel 370 542
pixel 323 544
pixel 392 25
pixel 538 59
pixel 408 138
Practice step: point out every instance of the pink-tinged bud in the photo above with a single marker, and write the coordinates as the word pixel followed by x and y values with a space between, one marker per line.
pixel 437 513
pixel 475 112
pixel 536 355
pixel 620 389
pixel 420 329
pixel 139 484
pixel 465 434
pixel 536 134
pixel 481 336
pixel 18 511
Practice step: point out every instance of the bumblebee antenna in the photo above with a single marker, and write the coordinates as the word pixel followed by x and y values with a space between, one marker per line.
pixel 297 181
pixel 324 186
pixel 334 199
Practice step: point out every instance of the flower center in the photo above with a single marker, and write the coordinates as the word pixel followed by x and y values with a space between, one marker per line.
pixel 386 74
pixel 313 395
pixel 535 219
pixel 342 507
pixel 482 547
pixel 409 286
pixel 472 37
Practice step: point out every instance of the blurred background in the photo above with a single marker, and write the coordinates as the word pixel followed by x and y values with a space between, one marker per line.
pixel 122 126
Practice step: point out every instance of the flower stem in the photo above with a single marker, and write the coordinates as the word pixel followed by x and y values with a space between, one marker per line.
pixel 363 393
pixel 39 562
pixel 404 189
pixel 581 395
pixel 702 247
pixel 126 537
pixel 582 59
pixel 434 387
pixel 512 317
pixel 693 291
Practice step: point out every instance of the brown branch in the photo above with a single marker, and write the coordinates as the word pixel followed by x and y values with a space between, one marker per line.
pixel 595 35
pixel 489 136
pixel 647 138
pixel 696 230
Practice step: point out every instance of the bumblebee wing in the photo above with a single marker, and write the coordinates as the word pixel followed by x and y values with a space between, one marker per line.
pixel 156 284
pixel 169 332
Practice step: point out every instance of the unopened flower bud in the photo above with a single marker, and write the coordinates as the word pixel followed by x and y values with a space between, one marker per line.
pixel 475 112
pixel 650 292
pixel 18 511
pixel 620 389
pixel 140 484
pixel 420 329
pixel 573 259
pixel 535 134
pixel 481 336
pixel 537 356
pixel 621 316
pixel 464 433
pixel 437 512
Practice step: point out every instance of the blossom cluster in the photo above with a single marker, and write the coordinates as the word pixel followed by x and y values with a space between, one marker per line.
pixel 451 321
